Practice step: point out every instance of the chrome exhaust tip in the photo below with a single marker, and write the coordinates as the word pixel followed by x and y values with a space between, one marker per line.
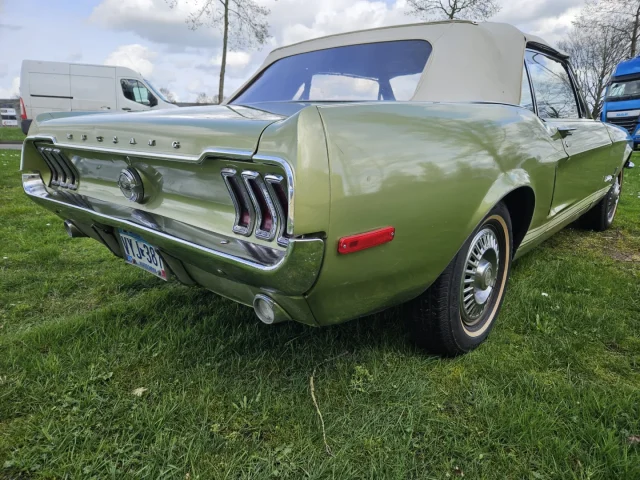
pixel 268 311
pixel 72 230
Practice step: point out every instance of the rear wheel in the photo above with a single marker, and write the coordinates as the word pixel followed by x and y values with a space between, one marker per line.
pixel 601 216
pixel 457 312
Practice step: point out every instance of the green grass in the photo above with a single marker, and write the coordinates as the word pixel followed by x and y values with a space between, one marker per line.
pixel 553 394
pixel 10 134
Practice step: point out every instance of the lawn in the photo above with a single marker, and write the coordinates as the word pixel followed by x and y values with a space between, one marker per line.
pixel 11 134
pixel 107 372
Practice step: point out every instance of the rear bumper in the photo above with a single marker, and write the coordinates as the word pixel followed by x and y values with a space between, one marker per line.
pixel 290 272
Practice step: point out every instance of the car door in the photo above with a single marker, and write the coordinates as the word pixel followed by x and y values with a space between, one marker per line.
pixel 586 141
pixel 134 96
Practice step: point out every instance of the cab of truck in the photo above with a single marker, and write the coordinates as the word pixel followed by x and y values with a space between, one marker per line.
pixel 47 87
pixel 622 101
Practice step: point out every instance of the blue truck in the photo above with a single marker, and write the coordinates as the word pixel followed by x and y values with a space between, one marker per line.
pixel 622 101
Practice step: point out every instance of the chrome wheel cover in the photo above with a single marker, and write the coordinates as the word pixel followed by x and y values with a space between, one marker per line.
pixel 478 283
pixel 613 199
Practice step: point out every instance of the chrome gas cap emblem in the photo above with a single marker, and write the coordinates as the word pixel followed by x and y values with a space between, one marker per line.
pixel 131 185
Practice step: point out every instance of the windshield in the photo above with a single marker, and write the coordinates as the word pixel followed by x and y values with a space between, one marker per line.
pixel 367 72
pixel 626 89
pixel 154 90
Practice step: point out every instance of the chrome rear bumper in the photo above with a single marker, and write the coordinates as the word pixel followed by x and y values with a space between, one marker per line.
pixel 292 271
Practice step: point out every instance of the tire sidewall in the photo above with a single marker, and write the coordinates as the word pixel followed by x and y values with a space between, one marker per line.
pixel 465 337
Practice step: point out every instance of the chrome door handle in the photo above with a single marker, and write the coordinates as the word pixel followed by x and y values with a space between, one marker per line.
pixel 565 131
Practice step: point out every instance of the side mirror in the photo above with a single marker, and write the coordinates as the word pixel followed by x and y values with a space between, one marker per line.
pixel 153 101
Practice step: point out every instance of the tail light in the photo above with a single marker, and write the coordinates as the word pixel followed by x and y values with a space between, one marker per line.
pixel 245 215
pixel 275 186
pixel 260 203
pixel 23 111
pixel 266 220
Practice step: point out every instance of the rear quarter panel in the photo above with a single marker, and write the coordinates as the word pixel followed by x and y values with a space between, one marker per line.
pixel 432 171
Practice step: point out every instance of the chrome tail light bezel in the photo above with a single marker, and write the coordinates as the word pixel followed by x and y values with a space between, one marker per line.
pixel 252 179
pixel 260 195
pixel 241 200
pixel 63 172
pixel 282 205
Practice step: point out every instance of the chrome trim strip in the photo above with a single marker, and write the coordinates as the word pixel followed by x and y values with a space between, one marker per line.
pixel 65 163
pixel 227 175
pixel 292 274
pixel 270 181
pixel 63 173
pixel 22 158
pixel 290 185
pixel 52 167
pixel 248 177
pixel 227 153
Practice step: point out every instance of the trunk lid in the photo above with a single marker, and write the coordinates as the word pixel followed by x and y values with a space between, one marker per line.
pixel 181 132
pixel 185 183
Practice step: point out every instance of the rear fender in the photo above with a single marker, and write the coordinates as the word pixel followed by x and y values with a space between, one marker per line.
pixel 431 171
pixel 300 141
pixel 505 184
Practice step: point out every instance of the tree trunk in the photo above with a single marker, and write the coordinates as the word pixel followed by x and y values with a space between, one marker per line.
pixel 225 41
pixel 634 33
pixel 453 11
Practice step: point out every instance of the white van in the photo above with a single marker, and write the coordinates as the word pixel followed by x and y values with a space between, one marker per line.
pixel 64 87
pixel 8 117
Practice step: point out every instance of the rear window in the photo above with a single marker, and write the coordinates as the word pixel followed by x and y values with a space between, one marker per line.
pixel 387 71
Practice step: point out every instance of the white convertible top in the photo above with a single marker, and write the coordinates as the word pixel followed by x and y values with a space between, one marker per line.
pixel 480 62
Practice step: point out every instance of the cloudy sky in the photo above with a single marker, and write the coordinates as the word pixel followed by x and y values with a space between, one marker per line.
pixel 152 38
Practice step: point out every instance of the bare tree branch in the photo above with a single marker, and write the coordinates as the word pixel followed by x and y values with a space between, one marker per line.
pixel 168 94
pixel 595 49
pixel 623 16
pixel 453 9
pixel 243 24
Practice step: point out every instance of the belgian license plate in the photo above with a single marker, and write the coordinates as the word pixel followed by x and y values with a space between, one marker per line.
pixel 141 254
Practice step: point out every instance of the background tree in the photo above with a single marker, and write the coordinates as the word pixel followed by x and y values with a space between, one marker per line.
pixel 168 94
pixel 623 16
pixel 453 9
pixel 595 50
pixel 206 99
pixel 243 22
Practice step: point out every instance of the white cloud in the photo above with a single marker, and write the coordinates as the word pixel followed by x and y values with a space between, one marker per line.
pixel 234 59
pixel 135 56
pixel 156 21
pixel 336 16
pixel 519 12
pixel 13 90
pixel 75 57
pixel 187 62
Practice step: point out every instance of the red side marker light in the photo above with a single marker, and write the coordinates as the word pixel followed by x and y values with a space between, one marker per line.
pixel 362 241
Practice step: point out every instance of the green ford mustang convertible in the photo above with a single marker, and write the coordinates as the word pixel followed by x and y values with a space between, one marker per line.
pixel 350 174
